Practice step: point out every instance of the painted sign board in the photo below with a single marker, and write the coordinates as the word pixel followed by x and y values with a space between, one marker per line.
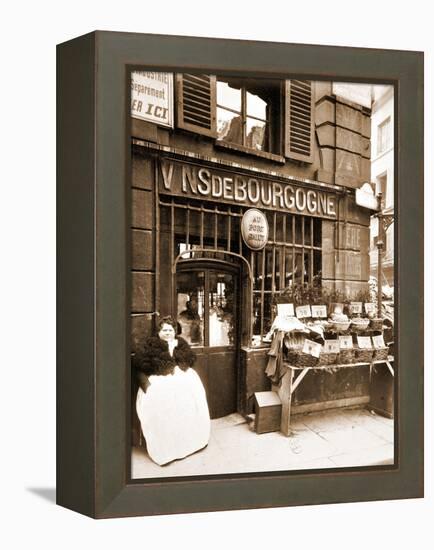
pixel 365 197
pixel 228 186
pixel 152 97
pixel 254 229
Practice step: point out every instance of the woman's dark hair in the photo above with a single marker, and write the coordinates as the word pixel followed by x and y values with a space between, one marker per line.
pixel 167 321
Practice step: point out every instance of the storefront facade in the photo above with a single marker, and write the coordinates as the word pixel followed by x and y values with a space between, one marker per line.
pixel 293 152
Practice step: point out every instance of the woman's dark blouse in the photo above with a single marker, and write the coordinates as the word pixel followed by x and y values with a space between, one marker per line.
pixel 154 359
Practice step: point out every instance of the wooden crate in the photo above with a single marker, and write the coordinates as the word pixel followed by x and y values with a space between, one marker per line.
pixel 268 412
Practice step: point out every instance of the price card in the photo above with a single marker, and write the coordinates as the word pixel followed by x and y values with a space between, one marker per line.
pixel 319 311
pixel 331 346
pixel 346 342
pixel 355 307
pixel 364 342
pixel 378 341
pixel 370 308
pixel 285 310
pixel 312 348
pixel 303 312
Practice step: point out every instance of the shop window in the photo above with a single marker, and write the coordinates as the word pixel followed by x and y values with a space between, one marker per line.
pixel 384 136
pixel 291 257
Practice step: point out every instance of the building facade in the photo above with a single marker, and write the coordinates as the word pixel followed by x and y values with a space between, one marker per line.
pixel 382 170
pixel 294 151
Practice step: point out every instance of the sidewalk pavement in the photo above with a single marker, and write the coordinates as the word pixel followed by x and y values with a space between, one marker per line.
pixel 328 439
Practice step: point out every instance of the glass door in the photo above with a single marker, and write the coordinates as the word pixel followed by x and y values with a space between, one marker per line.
pixel 207 307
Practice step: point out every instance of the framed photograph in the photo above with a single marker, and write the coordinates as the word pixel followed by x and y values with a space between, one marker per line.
pixel 238 223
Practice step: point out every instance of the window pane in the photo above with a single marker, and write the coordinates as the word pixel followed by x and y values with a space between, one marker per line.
pixel 190 305
pixel 384 136
pixel 298 230
pixel 317 225
pixel 289 222
pixel 228 97
pixel 299 267
pixel 317 268
pixel 307 231
pixel 221 309
pixel 256 106
pixel 229 126
pixel 269 275
pixel 255 131
pixel 257 270
pixel 288 268
pixel 257 313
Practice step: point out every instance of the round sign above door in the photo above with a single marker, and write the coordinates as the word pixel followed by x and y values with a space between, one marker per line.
pixel 254 229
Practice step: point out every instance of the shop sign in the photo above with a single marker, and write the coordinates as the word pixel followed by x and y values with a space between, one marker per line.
pixel 319 311
pixel 365 197
pixel 254 229
pixel 152 97
pixel 226 186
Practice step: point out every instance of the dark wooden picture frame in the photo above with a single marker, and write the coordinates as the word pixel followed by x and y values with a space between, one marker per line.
pixel 93 367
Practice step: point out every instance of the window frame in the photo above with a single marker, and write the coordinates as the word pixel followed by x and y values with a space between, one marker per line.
pixel 385 124
pixel 274 149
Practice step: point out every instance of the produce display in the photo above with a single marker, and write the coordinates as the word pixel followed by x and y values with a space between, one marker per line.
pixel 345 337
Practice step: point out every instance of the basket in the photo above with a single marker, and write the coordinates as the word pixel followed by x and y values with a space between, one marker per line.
pixel 360 324
pixel 297 358
pixel 376 324
pixel 381 354
pixel 341 326
pixel 327 359
pixel 292 356
pixel 306 360
pixel 346 356
pixel 364 355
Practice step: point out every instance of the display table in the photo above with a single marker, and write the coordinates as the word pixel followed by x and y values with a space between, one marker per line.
pixel 290 382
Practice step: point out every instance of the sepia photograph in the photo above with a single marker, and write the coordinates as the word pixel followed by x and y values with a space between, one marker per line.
pixel 262 274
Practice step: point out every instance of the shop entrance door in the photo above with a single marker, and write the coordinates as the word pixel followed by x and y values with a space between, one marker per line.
pixel 207 309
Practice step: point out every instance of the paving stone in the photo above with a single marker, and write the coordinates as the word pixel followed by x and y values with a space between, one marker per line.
pixel 327 439
pixel 380 455
pixel 352 439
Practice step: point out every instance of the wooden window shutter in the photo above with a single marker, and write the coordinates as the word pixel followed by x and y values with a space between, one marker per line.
pixel 196 103
pixel 299 120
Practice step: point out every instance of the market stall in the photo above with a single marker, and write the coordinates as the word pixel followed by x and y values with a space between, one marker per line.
pixel 306 338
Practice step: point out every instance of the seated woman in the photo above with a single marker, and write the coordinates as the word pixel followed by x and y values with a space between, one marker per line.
pixel 171 402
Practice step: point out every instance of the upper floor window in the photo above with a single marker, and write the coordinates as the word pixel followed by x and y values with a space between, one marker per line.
pixel 384 136
pixel 244 115
pixel 267 117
